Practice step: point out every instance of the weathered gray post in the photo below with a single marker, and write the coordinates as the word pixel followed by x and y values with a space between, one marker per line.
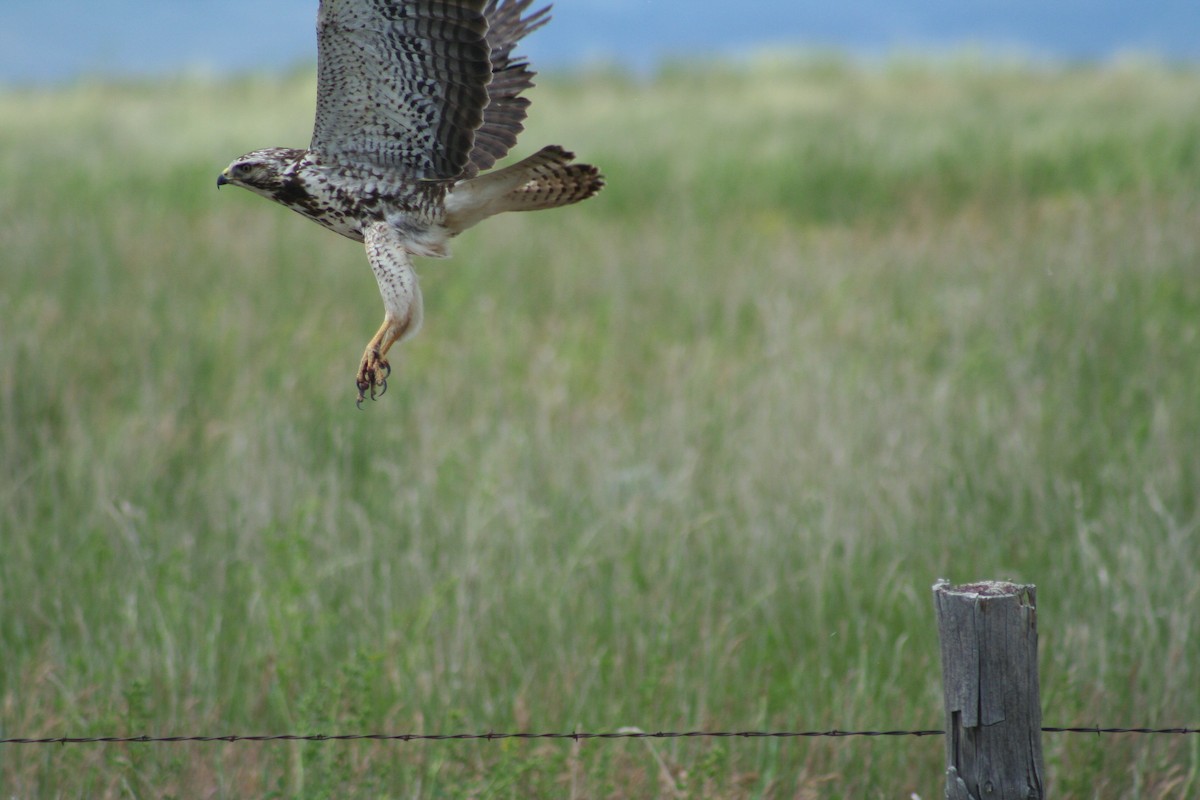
pixel 988 632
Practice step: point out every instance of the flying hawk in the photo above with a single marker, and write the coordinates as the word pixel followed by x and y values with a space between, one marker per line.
pixel 415 100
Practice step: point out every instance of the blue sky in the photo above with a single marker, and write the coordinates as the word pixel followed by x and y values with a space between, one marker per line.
pixel 50 40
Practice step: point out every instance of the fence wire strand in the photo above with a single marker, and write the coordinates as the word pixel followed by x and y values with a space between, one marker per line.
pixel 578 736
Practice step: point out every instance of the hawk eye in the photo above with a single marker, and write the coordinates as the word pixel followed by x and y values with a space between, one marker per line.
pixel 243 169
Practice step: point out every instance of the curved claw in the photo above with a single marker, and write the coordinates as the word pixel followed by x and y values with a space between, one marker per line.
pixel 372 377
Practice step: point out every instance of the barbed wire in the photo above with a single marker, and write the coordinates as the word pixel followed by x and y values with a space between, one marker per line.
pixel 578 736
pixel 1098 730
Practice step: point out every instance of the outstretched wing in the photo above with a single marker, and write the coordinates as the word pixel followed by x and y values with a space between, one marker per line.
pixel 401 84
pixel 511 75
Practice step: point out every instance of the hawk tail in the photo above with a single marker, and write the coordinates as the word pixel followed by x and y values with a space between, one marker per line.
pixel 547 179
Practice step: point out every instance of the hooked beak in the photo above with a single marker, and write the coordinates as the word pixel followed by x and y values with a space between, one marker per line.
pixel 222 180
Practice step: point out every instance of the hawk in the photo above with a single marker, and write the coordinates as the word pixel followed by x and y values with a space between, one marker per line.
pixel 416 100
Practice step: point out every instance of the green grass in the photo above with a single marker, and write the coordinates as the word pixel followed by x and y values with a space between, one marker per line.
pixel 689 455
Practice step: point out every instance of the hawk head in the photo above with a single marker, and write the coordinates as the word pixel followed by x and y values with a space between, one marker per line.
pixel 263 171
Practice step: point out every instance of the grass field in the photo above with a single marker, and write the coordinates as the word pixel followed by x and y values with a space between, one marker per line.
pixel 689 455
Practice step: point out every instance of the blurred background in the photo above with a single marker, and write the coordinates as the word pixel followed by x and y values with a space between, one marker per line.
pixel 55 40
pixel 919 302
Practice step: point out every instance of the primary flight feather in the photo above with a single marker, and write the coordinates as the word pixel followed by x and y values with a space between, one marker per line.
pixel 415 99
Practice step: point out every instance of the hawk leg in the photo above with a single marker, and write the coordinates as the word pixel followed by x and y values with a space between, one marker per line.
pixel 393 270
pixel 374 370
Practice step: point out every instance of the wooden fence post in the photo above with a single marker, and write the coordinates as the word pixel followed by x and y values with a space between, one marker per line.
pixel 988 633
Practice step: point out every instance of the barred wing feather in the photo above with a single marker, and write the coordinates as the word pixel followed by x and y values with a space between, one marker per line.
pixel 401 85
pixel 504 116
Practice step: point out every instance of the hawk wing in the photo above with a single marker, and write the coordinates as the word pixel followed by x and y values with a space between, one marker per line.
pixel 401 84
pixel 511 75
